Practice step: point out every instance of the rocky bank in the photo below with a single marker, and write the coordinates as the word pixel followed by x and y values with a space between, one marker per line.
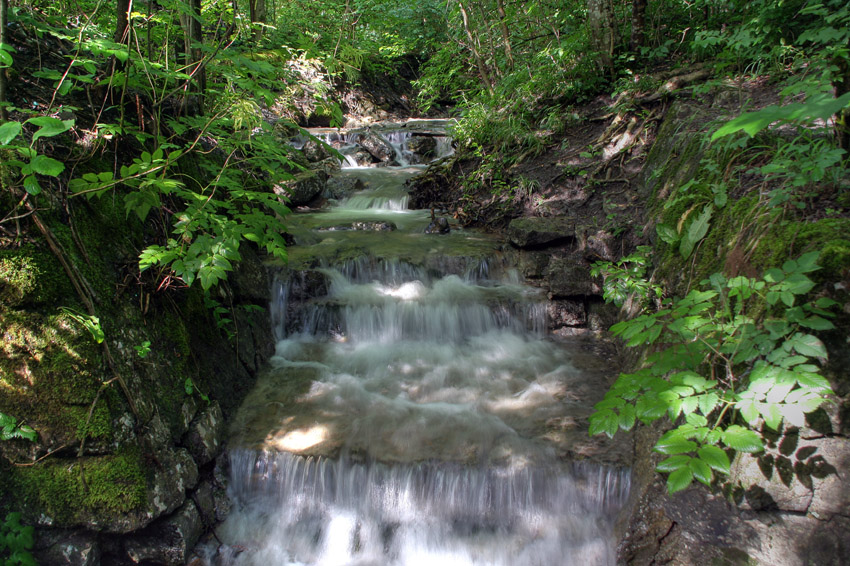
pixel 596 193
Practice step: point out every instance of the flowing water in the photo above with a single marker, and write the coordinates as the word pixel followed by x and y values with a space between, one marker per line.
pixel 415 412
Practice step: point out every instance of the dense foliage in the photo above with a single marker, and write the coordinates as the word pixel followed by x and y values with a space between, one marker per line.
pixel 739 350
pixel 163 107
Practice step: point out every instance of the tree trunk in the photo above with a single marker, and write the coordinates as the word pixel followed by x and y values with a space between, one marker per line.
pixel 4 9
pixel 638 24
pixel 842 86
pixel 600 19
pixel 193 35
pixel 482 69
pixel 257 14
pixel 122 21
pixel 506 38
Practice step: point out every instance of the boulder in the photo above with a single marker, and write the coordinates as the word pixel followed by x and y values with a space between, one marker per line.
pixel 362 158
pixel 829 468
pixel 376 145
pixel 303 188
pixel 342 187
pixel 315 151
pixel 568 279
pixel 205 434
pixel 422 148
pixel 536 232
pixel 565 313
pixel 765 484
pixel 597 243
pixel 62 548
pixel 204 498
pixel 532 265
pixel 374 226
pixel 438 226
pixel 169 542
pixel 328 166
pixel 176 474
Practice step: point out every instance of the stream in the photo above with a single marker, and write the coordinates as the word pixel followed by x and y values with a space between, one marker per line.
pixel 415 411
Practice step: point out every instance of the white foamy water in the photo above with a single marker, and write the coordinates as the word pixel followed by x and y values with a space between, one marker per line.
pixel 414 413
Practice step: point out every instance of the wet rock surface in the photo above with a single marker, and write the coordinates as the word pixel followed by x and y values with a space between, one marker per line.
pixel 169 542
pixel 539 231
pixel 304 188
pixel 205 434
pixel 377 146
pixel 339 187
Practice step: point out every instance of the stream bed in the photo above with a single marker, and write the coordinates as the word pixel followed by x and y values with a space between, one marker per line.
pixel 415 411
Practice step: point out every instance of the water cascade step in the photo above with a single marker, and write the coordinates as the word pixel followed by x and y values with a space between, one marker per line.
pixel 415 413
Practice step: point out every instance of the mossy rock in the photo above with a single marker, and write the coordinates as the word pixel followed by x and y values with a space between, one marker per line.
pixel 50 373
pixel 82 492
pixel 789 240
pixel 31 276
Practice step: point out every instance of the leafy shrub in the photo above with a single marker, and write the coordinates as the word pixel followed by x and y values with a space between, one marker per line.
pixel 16 541
pixel 726 361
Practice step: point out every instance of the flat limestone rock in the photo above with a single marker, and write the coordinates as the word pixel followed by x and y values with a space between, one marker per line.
pixel 536 232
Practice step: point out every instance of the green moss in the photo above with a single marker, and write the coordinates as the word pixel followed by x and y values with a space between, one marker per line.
pixel 835 257
pixel 791 239
pixel 83 491
pixel 49 375
pixel 31 276
pixel 99 426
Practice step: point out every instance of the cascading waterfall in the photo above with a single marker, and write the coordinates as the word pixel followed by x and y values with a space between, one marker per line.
pixel 409 416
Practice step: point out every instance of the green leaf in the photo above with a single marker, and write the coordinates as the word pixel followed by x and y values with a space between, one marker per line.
pixel 817 323
pixel 808 345
pixel 31 185
pixel 612 402
pixel 44 165
pixel 674 445
pixel 697 420
pixel 667 233
pixel 820 106
pixel 673 463
pixel 799 284
pixel 808 262
pixel 49 126
pixel 141 203
pixel 771 414
pixel 679 480
pixel 742 439
pixel 9 131
pixel 627 417
pixel 715 457
pixel 604 422
pixel 697 229
pixel 649 408
pixel 689 405
pixel 708 402
pixel 700 470
pixel 825 303
pixel 748 410
pixel 813 381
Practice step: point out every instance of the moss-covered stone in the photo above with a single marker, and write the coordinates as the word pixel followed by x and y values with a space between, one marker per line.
pixel 87 491
pixel 790 239
pixel 31 276
pixel 49 375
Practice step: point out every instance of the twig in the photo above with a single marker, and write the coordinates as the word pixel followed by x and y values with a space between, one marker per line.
pixel 100 391
pixel 80 285
pixel 34 462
